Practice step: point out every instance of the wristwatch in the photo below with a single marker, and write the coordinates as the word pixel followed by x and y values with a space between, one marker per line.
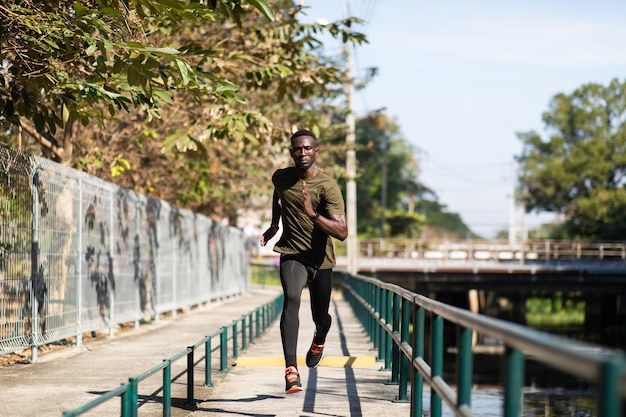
pixel 315 217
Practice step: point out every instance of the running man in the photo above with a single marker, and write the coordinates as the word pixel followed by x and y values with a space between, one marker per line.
pixel 312 210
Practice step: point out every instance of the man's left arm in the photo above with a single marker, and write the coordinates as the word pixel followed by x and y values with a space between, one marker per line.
pixel 335 224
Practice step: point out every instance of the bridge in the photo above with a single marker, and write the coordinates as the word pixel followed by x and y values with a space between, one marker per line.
pixel 474 256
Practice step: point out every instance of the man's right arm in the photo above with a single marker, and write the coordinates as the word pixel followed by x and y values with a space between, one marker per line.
pixel 276 209
pixel 273 229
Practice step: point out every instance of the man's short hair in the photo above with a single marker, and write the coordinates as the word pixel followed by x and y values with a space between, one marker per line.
pixel 303 132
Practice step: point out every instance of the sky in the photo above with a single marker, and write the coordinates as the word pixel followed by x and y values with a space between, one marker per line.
pixel 462 77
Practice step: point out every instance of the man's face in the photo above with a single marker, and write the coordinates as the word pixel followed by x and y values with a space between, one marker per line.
pixel 303 151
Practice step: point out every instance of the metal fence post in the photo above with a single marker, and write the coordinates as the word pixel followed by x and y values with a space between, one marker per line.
pixel 437 362
pixel 190 376
pixel 79 267
pixel 376 310
pixel 207 362
pixel 132 396
pixel 167 388
pixel 385 341
pixel 224 349
pixel 235 336
pixel 258 322
pixel 464 366
pixel 34 266
pixel 404 361
pixel 127 402
pixel 244 340
pixel 382 344
pixel 609 401
pixel 514 381
pixel 417 400
pixel 250 321
pixel 395 349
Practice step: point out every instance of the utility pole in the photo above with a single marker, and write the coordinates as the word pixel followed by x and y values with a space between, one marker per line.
pixel 352 243
pixel 383 192
pixel 512 222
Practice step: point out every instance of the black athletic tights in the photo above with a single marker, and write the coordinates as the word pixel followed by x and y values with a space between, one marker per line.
pixel 294 277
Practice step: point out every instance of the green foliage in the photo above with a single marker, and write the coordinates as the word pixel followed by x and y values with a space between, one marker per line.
pixel 87 61
pixel 410 208
pixel 580 169
pixel 555 310
pixel 404 224
pixel 442 223
pixel 184 100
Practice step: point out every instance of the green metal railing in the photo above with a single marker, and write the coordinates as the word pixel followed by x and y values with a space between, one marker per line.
pixel 394 318
pixel 252 326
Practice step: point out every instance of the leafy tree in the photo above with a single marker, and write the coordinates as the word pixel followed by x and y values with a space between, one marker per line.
pixel 192 102
pixel 441 223
pixel 411 208
pixel 579 171
pixel 66 62
pixel 382 147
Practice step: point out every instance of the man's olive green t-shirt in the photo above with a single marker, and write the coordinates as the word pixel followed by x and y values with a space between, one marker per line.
pixel 300 235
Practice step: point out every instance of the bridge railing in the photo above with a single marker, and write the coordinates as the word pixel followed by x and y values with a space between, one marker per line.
pixel 496 250
pixel 237 334
pixel 394 318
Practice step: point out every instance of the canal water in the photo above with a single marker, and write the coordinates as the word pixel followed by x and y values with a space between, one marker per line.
pixel 574 315
pixel 488 402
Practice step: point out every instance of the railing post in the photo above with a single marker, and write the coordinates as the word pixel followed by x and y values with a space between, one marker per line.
pixel 382 341
pixel 132 396
pixel 190 377
pixel 244 340
pixel 235 336
pixel 464 366
pixel 127 402
pixel 389 325
pixel 514 380
pixel 224 349
pixel 417 387
pixel 404 360
pixel 437 362
pixel 609 401
pixel 376 308
pixel 208 352
pixel 395 349
pixel 250 321
pixel 167 388
pixel 371 318
pixel 258 322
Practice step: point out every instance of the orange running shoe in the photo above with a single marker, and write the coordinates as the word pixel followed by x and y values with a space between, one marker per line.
pixel 314 355
pixel 292 380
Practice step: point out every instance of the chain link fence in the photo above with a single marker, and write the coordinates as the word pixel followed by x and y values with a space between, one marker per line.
pixel 78 254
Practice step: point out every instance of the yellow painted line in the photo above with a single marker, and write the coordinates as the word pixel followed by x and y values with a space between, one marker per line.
pixel 326 361
pixel 333 296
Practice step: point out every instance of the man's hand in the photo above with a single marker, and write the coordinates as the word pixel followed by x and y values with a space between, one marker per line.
pixel 308 207
pixel 268 235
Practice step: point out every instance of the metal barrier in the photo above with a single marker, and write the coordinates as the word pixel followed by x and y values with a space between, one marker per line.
pixel 390 313
pixel 545 250
pixel 253 325
pixel 78 254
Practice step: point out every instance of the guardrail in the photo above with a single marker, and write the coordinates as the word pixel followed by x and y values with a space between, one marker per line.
pixel 253 325
pixel 390 314
pixel 489 250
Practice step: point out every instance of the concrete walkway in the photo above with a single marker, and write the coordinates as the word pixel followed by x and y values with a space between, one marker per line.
pixel 349 381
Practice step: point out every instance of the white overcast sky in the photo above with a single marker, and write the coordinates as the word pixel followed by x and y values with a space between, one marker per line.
pixel 461 77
